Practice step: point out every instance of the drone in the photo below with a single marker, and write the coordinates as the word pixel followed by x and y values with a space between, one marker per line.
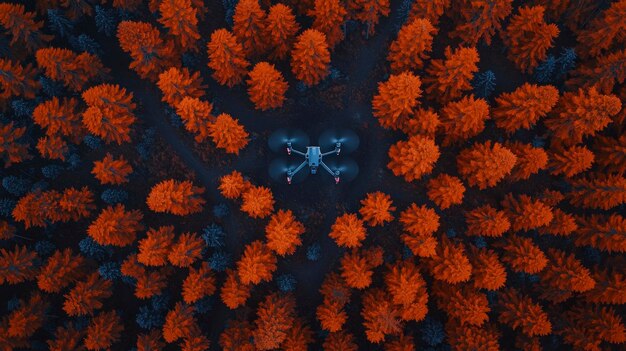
pixel 296 145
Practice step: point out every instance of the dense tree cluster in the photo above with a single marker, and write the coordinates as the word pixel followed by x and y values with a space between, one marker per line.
pixel 497 223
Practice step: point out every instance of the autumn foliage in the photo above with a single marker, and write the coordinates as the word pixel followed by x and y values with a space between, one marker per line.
pixel 413 158
pixel 266 86
pixel 281 29
pixel 151 54
pixel 413 45
pixel 348 230
pixel 310 57
pixel 179 198
pixel 112 171
pixel 109 114
pixel 529 37
pixel 228 134
pixel 484 165
pixel 397 99
pixel 377 208
pixel 226 58
pixel 524 107
pixel 447 79
pixel 249 27
pixel 116 226
pixel 283 233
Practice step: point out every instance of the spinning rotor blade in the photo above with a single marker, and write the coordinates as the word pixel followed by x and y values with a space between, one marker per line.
pixel 278 140
pixel 348 139
pixel 278 169
pixel 347 167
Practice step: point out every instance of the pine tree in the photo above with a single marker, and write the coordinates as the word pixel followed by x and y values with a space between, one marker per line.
pixel 380 316
pixel 600 191
pixel 155 247
pixel 12 149
pixel 603 31
pixel 116 226
pixel 570 161
pixel 233 185
pixel 485 164
pixel 180 17
pixel 281 28
pixel 74 70
pixel 228 134
pixel 445 191
pixel 605 233
pixel 357 266
pixel 258 202
pixel 431 10
pixel 226 58
pixel 256 264
pixel 266 86
pixel 233 292
pixel 59 117
pixel 28 318
pixel 275 316
pixel 528 37
pixel 60 270
pixel 377 208
pixel 22 27
pixel 16 80
pixel 450 264
pixel 523 255
pixel 580 114
pixel 413 158
pixel 179 323
pixel 486 221
pixel 52 147
pixel 522 108
pixel 328 18
pixel 529 160
pixel 411 48
pixel 283 233
pixel 17 266
pixel 463 119
pixel 566 273
pixel 178 198
pixel 369 12
pixel 112 171
pixel 397 99
pixel 176 84
pixel 87 296
pixel 487 271
pixel 348 230
pixel 150 54
pixel 198 284
pixel 186 250
pixel 110 112
pixel 196 115
pixel 447 79
pixel 481 20
pixel 249 22
pixel 310 57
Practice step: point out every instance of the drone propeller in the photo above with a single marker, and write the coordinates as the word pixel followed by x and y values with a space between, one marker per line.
pixel 279 168
pixel 347 167
pixel 348 139
pixel 279 139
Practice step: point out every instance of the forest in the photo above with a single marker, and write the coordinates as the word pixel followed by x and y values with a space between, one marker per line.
pixel 137 212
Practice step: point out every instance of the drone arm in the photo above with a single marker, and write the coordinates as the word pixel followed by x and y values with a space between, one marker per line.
pixel 296 151
pixel 335 151
pixel 304 163
pixel 327 169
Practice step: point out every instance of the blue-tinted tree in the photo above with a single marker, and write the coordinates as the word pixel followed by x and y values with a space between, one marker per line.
pixel 92 142
pixel 220 210
pixel 544 73
pixel 213 235
pixel 51 171
pixel 73 161
pixel 13 303
pixel 219 261
pixel 86 43
pixel 44 248
pixel 144 148
pixel 229 10
pixel 149 318
pixel 406 252
pixel 114 196
pixel 432 332
pixel 23 108
pixel 6 207
pixel 110 271
pixel 16 186
pixel 484 84
pixel 41 185
pixel 58 23
pixel 286 282
pixel 480 242
pixel 94 250
pixel 313 252
pixel 566 62
pixel 160 302
pixel 402 15
pixel 50 87
pixel 106 20
pixel 204 305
